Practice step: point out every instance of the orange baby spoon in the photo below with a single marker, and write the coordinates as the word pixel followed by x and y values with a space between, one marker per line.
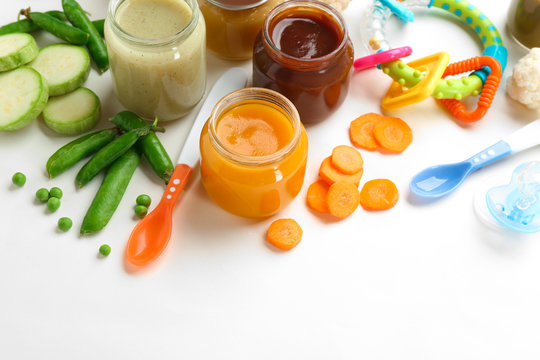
pixel 151 235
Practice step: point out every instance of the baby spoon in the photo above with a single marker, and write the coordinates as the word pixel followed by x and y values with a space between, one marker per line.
pixel 151 235
pixel 440 180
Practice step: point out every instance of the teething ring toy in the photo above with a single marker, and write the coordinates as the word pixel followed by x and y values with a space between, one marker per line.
pixel 381 57
pixel 455 107
pixel 408 78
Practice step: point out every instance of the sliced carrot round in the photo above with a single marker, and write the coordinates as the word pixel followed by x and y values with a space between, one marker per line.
pixel 379 194
pixel 361 131
pixel 392 134
pixel 329 173
pixel 347 159
pixel 342 199
pixel 316 196
pixel 284 234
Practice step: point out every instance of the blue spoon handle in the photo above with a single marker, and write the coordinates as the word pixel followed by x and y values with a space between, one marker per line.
pixel 489 155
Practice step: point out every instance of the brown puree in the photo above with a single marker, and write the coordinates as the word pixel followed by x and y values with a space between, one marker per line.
pixel 524 22
pixel 304 53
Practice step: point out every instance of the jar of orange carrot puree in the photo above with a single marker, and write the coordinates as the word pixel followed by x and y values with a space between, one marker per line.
pixel 231 25
pixel 253 153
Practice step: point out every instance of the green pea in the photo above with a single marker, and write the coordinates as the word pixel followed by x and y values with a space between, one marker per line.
pixel 42 195
pixel 105 250
pixel 141 211
pixel 64 223
pixel 53 204
pixel 56 192
pixel 144 200
pixel 19 179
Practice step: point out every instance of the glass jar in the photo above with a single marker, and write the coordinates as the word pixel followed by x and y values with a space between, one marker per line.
pixel 524 22
pixel 231 25
pixel 314 76
pixel 157 54
pixel 253 183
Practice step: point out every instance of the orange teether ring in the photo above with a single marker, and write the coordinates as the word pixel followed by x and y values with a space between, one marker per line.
pixel 488 92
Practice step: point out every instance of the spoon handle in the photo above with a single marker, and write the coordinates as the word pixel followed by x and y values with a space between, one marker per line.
pixel 489 155
pixel 524 138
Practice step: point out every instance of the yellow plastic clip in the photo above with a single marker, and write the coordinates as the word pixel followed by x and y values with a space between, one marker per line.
pixel 433 67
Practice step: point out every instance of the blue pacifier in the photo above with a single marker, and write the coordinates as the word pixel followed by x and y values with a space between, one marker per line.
pixel 517 205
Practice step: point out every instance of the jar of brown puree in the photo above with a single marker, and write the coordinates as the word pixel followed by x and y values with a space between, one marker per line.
pixel 304 52
pixel 231 25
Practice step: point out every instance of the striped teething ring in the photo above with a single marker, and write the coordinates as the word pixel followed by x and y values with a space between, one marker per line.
pixel 375 41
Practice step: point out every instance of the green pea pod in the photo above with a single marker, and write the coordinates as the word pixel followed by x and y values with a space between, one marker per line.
pixel 110 192
pixel 69 154
pixel 58 28
pixel 109 153
pixel 149 145
pixel 96 46
pixel 27 26
pixel 100 26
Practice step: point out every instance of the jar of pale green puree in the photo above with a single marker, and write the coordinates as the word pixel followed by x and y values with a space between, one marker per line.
pixel 157 54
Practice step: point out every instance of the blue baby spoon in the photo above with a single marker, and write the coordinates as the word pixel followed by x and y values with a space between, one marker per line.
pixel 439 180
pixel 517 205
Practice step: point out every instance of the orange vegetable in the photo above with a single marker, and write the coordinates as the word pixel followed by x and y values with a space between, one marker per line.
pixel 329 173
pixel 392 134
pixel 342 199
pixel 379 194
pixel 347 159
pixel 284 234
pixel 361 131
pixel 316 196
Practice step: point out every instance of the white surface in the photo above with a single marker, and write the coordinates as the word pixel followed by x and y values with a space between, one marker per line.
pixel 421 281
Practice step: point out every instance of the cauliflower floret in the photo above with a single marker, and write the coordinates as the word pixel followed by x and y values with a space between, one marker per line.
pixel 339 5
pixel 524 84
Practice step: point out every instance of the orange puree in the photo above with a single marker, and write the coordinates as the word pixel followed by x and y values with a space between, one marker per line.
pixel 254 129
pixel 253 157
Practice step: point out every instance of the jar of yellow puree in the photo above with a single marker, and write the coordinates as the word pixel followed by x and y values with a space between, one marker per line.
pixel 157 53
pixel 253 152
pixel 232 25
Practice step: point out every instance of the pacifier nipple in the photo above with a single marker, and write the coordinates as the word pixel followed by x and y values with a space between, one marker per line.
pixel 516 205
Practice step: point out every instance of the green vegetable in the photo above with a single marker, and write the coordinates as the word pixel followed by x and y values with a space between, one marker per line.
pixel 56 192
pixel 77 16
pixel 26 25
pixel 57 27
pixel 105 250
pixel 141 211
pixel 23 95
pixel 65 67
pixel 65 223
pixel 110 192
pixel 110 152
pixel 149 145
pixel 69 154
pixel 53 204
pixel 144 200
pixel 100 26
pixel 17 49
pixel 42 195
pixel 73 113
pixel 18 179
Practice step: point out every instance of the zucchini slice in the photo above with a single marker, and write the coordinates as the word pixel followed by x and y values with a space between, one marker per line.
pixel 72 113
pixel 16 49
pixel 65 67
pixel 23 95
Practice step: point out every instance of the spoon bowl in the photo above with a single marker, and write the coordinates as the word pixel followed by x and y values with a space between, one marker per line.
pixel 439 180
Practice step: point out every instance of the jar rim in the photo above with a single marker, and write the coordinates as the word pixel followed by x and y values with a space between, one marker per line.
pixel 144 41
pixel 311 62
pixel 231 7
pixel 255 93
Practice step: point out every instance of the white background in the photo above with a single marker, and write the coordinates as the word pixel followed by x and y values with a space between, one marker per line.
pixel 425 280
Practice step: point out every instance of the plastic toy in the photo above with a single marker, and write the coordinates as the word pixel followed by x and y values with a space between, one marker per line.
pixel 381 57
pixel 418 80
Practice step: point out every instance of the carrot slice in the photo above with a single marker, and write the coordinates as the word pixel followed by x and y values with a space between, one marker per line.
pixel 379 194
pixel 347 159
pixel 316 196
pixel 284 234
pixel 331 174
pixel 361 131
pixel 392 134
pixel 342 199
